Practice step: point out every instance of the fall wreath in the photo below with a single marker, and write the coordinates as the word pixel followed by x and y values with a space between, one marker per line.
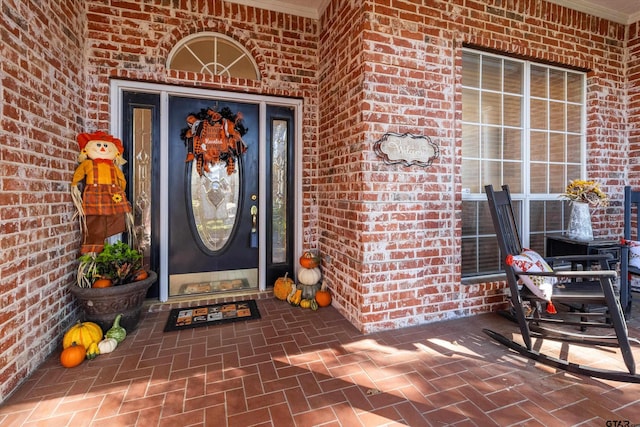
pixel 214 136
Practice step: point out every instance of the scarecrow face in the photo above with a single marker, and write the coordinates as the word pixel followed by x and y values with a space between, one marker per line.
pixel 97 149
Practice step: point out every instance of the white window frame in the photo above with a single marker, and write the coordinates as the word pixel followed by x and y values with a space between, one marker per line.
pixel 526 196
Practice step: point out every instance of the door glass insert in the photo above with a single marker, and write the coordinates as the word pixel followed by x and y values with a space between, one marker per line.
pixel 141 189
pixel 280 143
pixel 214 202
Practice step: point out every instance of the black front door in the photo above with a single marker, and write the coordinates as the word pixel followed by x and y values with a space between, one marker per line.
pixel 213 197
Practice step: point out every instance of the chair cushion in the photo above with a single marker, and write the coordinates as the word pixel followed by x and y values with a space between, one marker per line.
pixel 531 261
pixel 634 253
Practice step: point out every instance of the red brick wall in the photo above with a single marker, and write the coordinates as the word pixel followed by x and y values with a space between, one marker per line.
pixel 133 40
pixel 392 233
pixel 633 62
pixel 58 84
pixel 42 110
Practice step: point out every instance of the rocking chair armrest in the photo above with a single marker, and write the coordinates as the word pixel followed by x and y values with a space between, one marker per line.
pixel 572 274
pixel 578 258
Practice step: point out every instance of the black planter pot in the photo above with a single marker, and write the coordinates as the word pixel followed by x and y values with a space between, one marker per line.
pixel 102 305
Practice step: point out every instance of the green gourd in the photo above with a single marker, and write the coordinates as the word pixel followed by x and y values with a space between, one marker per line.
pixel 117 332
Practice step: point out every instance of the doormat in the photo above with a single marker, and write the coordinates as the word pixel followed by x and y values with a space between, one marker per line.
pixel 213 314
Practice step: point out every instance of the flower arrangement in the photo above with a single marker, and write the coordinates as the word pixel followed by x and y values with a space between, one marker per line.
pixel 586 192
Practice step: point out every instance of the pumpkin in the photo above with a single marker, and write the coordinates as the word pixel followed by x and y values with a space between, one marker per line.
pixel 323 297
pixel 305 303
pixel 139 275
pixel 93 351
pixel 309 276
pixel 116 331
pixel 282 287
pixel 107 345
pixel 309 260
pixel 73 355
pixel 83 334
pixel 102 283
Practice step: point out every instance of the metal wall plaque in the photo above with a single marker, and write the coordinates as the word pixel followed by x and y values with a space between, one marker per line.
pixel 407 149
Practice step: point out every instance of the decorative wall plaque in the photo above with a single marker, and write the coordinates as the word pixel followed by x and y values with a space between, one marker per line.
pixel 407 149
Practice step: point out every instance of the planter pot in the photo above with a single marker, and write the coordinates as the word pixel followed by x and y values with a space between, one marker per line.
pixel 309 291
pixel 102 305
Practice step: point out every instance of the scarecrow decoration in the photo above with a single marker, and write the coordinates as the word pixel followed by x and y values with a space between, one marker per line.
pixel 213 137
pixel 102 207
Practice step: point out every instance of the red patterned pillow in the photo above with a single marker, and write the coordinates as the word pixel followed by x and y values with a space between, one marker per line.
pixel 634 253
pixel 531 261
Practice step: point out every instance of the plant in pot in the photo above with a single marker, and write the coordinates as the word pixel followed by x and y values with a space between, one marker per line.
pixel 118 263
pixel 112 282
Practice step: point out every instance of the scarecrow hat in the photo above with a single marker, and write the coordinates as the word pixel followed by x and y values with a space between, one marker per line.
pixel 84 138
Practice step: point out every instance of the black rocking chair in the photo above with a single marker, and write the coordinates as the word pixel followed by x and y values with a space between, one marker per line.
pixel 579 294
pixel 631 200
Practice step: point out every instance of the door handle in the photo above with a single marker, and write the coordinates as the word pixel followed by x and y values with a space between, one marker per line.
pixel 253 241
pixel 254 214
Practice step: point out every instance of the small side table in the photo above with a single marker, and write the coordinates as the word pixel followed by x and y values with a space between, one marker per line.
pixel 562 245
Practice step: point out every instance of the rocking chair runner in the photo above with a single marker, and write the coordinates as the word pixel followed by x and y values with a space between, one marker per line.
pixel 575 289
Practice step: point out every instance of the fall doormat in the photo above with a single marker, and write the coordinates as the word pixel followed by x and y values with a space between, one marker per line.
pixel 212 314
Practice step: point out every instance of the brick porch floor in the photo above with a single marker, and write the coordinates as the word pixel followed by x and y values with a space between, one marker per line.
pixel 295 367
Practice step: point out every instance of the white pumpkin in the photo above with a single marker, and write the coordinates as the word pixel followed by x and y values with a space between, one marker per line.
pixel 107 345
pixel 309 276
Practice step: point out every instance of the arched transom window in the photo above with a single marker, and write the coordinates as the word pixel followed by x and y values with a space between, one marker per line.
pixel 214 54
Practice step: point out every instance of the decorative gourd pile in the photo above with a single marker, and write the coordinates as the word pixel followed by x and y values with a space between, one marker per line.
pixel 84 340
pixel 308 293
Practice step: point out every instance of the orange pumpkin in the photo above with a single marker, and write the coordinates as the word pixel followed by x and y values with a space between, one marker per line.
pixel 140 275
pixel 102 283
pixel 282 287
pixel 309 260
pixel 323 297
pixel 73 355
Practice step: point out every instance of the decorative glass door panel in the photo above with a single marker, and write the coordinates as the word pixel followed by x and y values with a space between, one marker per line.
pixel 141 139
pixel 141 189
pixel 279 192
pixel 214 205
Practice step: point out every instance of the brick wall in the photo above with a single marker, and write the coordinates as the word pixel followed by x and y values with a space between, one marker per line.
pixel 633 72
pixel 55 84
pixel 42 92
pixel 133 40
pixel 392 233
